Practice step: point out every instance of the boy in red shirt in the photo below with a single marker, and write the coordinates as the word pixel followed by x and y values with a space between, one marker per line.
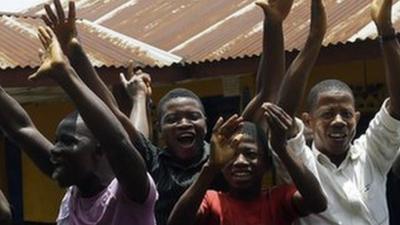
pixel 237 148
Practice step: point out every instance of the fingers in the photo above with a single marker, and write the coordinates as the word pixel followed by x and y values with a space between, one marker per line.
pixel 71 12
pixel 123 79
pixel 44 37
pixel 218 124
pixel 231 126
pixel 60 11
pixel 33 76
pixel 46 20
pixel 236 141
pixel 50 14
pixel 264 6
pixel 144 76
pixel 131 67
pixel 277 117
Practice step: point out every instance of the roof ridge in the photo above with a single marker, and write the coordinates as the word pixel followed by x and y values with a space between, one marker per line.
pixel 19 15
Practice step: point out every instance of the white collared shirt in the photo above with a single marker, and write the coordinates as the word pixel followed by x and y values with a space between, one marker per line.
pixel 356 190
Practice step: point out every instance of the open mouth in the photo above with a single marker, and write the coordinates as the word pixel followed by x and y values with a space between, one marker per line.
pixel 186 140
pixel 58 170
pixel 241 174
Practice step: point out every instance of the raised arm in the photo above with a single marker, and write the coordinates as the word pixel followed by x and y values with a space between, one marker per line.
pixel 67 35
pixel 297 75
pixel 271 68
pixel 66 32
pixel 126 162
pixel 138 88
pixel 382 16
pixel 310 197
pixel 18 126
pixel 187 210
pixel 5 211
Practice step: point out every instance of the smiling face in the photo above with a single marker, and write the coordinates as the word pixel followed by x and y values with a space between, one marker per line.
pixel 74 154
pixel 246 169
pixel 183 127
pixel 333 121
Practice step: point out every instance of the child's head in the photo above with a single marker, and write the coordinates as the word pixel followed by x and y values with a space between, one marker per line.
pixel 251 159
pixel 182 123
pixel 76 154
pixel 332 117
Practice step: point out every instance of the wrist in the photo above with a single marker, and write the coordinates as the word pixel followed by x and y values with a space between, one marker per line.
pixel 211 167
pixel 387 36
pixel 385 31
pixel 138 96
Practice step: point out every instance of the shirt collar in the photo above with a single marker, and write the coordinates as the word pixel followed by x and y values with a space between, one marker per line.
pixel 171 160
pixel 353 154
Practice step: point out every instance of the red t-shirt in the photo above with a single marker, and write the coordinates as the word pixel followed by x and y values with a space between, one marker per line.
pixel 274 207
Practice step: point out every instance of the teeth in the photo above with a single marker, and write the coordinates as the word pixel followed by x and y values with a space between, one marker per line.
pixel 337 135
pixel 244 173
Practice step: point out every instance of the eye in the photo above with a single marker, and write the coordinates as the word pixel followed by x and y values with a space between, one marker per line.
pixel 172 118
pixel 194 116
pixel 327 115
pixel 347 114
pixel 250 153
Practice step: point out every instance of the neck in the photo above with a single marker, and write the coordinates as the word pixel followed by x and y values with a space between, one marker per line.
pixel 337 159
pixel 246 194
pixel 93 185
pixel 198 154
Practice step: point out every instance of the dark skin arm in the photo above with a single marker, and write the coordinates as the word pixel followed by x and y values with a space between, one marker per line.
pixel 126 162
pixel 381 15
pixel 299 71
pixel 186 210
pixel 66 32
pixel 272 63
pixel 17 125
pixel 5 211
pixel 309 198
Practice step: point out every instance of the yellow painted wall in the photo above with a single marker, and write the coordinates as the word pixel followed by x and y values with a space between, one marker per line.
pixel 42 196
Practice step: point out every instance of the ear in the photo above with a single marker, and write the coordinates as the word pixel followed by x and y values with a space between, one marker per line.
pixel 306 117
pixel 357 116
pixel 205 127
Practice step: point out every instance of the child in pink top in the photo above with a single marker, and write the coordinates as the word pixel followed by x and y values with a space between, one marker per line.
pixel 93 153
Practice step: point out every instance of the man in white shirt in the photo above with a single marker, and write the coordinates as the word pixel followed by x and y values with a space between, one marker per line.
pixel 352 175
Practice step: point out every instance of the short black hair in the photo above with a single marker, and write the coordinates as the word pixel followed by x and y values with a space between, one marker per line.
pixel 254 131
pixel 177 93
pixel 326 86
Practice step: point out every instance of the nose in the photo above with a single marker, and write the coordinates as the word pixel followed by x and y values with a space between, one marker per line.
pixel 185 122
pixel 55 154
pixel 240 160
pixel 338 121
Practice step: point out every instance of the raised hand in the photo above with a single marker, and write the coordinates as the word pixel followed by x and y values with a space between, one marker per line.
pixel 64 28
pixel 52 57
pixel 318 24
pixel 224 141
pixel 139 82
pixel 276 10
pixel 382 16
pixel 279 123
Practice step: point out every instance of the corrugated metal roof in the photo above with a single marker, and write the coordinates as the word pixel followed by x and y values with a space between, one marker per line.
pixel 19 45
pixel 199 30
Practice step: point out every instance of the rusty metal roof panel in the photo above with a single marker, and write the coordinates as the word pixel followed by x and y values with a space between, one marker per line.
pixel 19 45
pixel 200 30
